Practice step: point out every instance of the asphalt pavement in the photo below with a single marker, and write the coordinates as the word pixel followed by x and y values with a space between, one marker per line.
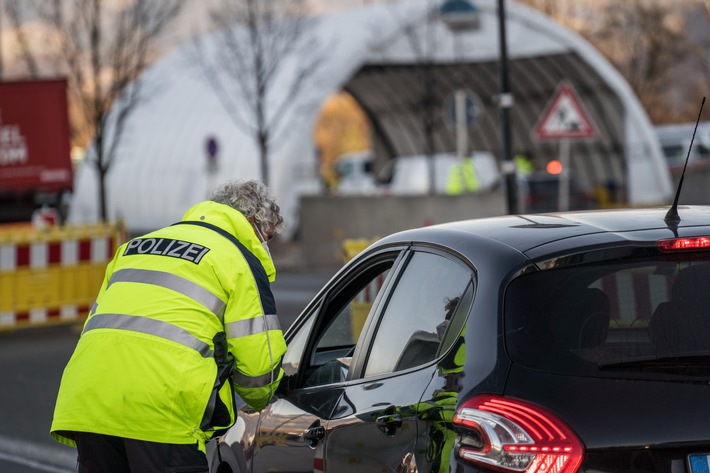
pixel 31 365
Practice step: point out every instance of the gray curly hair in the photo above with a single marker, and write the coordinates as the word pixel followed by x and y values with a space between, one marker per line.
pixel 252 199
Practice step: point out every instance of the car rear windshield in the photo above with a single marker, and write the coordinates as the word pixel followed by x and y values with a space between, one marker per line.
pixel 645 317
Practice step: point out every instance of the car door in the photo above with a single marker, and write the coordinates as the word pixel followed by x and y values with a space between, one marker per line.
pixel 291 429
pixel 378 416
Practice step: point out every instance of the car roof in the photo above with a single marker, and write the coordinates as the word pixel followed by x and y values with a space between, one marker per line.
pixel 527 232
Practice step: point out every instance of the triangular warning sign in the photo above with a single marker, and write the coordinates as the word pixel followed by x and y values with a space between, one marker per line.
pixel 565 117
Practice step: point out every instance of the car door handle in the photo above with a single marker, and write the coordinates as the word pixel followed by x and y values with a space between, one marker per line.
pixel 390 421
pixel 314 433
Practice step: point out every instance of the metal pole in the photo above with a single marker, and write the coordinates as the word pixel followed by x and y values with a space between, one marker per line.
pixel 563 186
pixel 428 103
pixel 505 102
pixel 461 125
pixel 461 135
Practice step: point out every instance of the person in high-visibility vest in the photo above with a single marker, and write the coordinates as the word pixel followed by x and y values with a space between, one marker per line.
pixel 185 318
pixel 462 177
pixel 523 165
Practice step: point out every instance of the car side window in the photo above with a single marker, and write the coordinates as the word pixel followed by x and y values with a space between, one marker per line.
pixel 339 327
pixel 415 319
pixel 292 358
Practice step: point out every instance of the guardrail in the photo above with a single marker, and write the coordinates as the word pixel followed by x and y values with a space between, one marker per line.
pixel 53 275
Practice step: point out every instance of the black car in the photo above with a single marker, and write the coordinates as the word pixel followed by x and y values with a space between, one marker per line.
pixel 540 192
pixel 540 343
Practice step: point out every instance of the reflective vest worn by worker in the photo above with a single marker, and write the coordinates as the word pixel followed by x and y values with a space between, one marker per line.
pixel 462 178
pixel 145 365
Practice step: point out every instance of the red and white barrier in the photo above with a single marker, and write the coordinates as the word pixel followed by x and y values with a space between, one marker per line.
pixel 52 277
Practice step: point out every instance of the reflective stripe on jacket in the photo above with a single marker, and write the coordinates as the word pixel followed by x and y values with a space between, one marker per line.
pixel 144 367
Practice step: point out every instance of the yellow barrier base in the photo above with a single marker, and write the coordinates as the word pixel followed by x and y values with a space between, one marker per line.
pixel 52 275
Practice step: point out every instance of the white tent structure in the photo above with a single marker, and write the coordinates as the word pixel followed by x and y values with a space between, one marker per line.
pixel 160 168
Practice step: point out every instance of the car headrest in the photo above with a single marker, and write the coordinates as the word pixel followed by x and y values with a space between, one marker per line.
pixel 581 318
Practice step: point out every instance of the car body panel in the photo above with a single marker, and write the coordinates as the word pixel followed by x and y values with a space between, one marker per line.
pixel 525 232
pixel 376 427
pixel 281 443
pixel 628 419
pixel 614 413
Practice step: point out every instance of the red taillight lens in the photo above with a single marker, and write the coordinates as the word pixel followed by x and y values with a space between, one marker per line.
pixel 679 244
pixel 512 435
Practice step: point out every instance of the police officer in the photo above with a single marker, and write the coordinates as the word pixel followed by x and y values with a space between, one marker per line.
pixel 185 318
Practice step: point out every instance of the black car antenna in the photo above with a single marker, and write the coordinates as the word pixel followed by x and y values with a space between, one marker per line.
pixel 672 218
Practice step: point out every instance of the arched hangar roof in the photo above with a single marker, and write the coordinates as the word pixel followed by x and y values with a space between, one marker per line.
pixel 401 63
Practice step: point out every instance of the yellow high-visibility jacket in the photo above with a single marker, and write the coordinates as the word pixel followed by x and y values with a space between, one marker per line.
pixel 462 178
pixel 144 367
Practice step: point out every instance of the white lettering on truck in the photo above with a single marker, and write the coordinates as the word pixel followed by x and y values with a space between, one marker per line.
pixel 13 148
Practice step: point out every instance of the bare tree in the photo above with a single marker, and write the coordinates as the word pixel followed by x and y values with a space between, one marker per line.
pixel 254 39
pixel 103 49
pixel 551 8
pixel 704 46
pixel 12 9
pixel 665 68
pixel 649 62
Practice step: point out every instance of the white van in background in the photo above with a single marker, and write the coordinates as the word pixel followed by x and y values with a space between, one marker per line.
pixel 355 172
pixel 410 174
pixel 675 142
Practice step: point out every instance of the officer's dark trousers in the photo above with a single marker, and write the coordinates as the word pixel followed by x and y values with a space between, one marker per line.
pixel 107 454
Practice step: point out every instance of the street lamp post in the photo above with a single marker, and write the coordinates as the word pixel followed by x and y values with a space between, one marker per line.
pixel 505 102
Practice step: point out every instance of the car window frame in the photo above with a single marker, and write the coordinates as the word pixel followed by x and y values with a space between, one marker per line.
pixel 322 307
pixel 364 347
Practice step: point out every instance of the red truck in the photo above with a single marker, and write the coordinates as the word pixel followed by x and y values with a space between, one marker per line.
pixel 35 160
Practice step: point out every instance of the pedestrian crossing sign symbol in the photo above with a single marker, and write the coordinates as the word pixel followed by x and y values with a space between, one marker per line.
pixel 565 117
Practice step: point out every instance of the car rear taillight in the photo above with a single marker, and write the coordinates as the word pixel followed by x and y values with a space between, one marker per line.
pixel 679 244
pixel 507 435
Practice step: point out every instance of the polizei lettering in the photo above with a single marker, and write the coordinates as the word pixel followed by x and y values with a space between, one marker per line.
pixel 166 247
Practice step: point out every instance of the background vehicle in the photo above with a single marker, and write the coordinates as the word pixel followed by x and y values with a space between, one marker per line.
pixel 675 141
pixel 356 174
pixel 35 162
pixel 539 192
pixel 550 343
pixel 410 174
